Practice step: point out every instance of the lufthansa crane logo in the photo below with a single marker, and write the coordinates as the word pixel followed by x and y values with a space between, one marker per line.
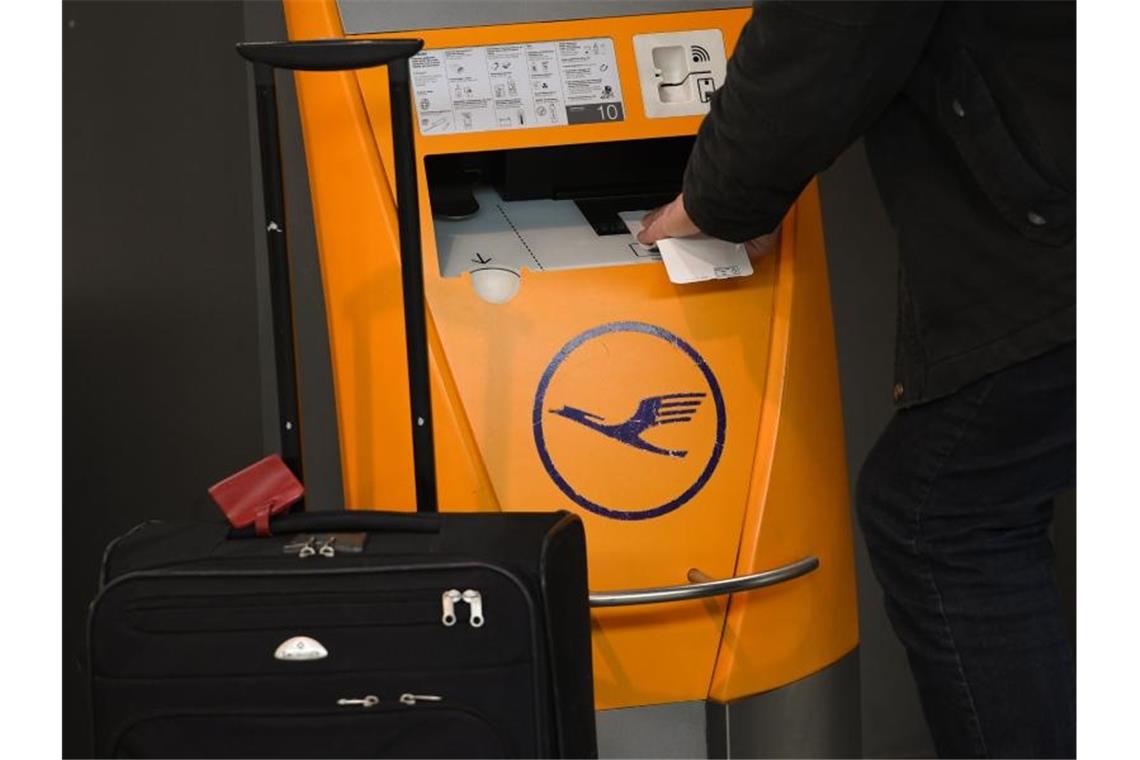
pixel 672 408
pixel 629 421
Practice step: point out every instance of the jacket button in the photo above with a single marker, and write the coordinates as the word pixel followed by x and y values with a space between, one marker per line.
pixel 897 391
pixel 956 106
pixel 1035 219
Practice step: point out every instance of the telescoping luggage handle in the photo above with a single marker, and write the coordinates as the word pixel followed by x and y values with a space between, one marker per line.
pixel 355 521
pixel 346 55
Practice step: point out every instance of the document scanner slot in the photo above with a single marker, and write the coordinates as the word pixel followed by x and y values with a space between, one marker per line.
pixel 551 208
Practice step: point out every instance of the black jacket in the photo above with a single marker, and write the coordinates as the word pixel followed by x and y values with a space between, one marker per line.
pixel 969 114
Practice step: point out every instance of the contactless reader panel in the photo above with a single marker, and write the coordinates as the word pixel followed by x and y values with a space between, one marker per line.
pixel 679 71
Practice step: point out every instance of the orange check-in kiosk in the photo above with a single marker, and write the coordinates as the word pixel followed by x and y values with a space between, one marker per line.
pixel 696 429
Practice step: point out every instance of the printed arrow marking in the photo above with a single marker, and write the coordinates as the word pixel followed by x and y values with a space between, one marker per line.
pixel 480 260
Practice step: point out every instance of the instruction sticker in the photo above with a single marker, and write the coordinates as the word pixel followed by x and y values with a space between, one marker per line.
pixel 536 84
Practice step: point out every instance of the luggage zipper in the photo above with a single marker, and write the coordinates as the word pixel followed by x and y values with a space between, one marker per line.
pixel 372 700
pixel 474 600
pixel 450 597
pixel 311 546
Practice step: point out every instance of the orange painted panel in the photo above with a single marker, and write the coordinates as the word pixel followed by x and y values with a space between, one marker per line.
pixel 798 505
pixel 537 401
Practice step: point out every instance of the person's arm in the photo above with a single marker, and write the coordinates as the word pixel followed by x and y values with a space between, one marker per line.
pixel 805 81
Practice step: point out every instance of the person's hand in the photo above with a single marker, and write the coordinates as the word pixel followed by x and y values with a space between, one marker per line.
pixel 671 220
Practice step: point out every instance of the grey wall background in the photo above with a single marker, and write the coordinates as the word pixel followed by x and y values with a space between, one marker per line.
pixel 166 320
pixel 160 334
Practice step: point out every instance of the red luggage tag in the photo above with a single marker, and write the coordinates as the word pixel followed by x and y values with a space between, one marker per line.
pixel 253 495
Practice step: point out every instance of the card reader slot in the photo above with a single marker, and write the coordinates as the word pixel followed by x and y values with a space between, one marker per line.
pixel 547 209
pixel 591 170
pixel 602 213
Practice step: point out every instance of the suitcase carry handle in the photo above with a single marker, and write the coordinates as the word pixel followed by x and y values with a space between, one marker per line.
pixel 345 55
pixel 353 521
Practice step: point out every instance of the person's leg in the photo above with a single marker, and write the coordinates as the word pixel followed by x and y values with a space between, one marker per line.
pixel 955 502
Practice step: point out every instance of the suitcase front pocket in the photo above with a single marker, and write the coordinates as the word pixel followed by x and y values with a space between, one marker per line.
pixel 421 730
pixel 230 624
pixel 502 697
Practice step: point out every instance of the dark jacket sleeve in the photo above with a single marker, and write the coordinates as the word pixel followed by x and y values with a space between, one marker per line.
pixel 805 81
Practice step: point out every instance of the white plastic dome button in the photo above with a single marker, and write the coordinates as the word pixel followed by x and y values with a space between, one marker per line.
pixel 495 284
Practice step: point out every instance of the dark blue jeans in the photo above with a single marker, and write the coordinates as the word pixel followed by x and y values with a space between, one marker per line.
pixel 955 500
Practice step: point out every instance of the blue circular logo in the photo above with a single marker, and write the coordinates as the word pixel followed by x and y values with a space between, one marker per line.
pixel 635 414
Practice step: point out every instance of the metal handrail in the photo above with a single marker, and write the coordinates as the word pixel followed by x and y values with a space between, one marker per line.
pixel 701 586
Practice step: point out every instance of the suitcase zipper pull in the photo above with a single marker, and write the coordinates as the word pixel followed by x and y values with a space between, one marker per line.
pixel 370 701
pixel 475 600
pixel 327 549
pixel 307 550
pixel 450 597
pixel 411 699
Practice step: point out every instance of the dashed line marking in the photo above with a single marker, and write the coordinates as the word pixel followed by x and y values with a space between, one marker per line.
pixel 520 237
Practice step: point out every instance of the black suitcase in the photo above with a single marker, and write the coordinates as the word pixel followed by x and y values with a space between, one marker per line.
pixel 346 634
pixel 447 636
